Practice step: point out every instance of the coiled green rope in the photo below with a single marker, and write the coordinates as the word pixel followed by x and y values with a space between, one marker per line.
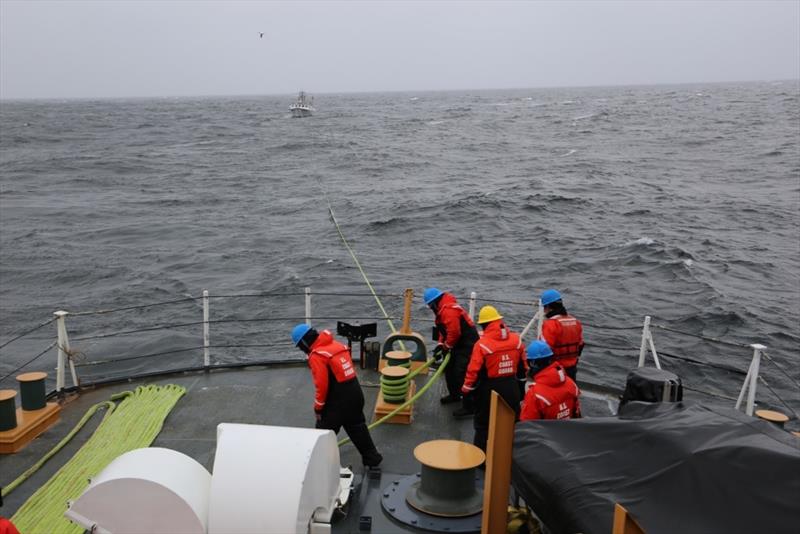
pixel 133 423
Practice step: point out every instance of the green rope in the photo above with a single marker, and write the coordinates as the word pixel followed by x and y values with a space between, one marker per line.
pixel 35 467
pixel 134 423
pixel 355 259
pixel 413 399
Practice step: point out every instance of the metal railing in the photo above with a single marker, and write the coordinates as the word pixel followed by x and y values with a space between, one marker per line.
pixel 66 356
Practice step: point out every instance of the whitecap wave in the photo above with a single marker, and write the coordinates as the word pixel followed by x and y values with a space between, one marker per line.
pixel 641 241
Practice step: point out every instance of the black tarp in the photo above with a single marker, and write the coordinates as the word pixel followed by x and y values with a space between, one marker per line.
pixel 677 467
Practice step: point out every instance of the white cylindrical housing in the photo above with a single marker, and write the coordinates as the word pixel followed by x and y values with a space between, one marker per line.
pixel 271 479
pixel 150 490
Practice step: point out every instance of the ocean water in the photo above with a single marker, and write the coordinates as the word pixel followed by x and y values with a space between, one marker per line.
pixel 679 202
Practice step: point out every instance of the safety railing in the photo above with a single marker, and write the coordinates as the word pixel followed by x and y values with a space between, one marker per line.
pixel 67 357
pixel 647 345
pixel 66 366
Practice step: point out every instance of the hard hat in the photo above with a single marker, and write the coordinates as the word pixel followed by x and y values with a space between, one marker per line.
pixel 538 350
pixel 488 314
pixel 550 296
pixel 299 331
pixel 431 294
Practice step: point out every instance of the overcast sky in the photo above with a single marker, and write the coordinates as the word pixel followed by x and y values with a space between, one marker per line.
pixel 118 48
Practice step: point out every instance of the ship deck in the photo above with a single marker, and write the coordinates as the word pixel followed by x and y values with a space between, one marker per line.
pixel 274 395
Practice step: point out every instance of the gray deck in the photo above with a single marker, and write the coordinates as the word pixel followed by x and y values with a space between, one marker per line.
pixel 255 395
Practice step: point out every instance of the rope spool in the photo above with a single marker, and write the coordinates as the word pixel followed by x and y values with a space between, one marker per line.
pixel 394 384
pixel 447 486
pixel 32 390
pixel 398 358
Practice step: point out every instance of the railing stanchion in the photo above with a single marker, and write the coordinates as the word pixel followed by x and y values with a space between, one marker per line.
pixel 751 380
pixel 63 350
pixel 308 305
pixel 540 314
pixel 472 297
pixel 645 335
pixel 206 354
pixel 536 317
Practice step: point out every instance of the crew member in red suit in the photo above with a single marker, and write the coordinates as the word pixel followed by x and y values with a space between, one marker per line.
pixel 562 331
pixel 497 364
pixel 455 333
pixel 552 394
pixel 338 400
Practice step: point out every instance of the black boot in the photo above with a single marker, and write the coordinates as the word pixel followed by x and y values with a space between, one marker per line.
pixel 450 399
pixel 463 413
pixel 359 435
pixel 467 407
pixel 372 458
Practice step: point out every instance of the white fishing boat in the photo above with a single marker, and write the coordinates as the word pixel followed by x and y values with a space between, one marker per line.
pixel 303 106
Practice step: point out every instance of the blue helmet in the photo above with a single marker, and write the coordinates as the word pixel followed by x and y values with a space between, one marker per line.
pixel 431 294
pixel 298 332
pixel 538 350
pixel 550 296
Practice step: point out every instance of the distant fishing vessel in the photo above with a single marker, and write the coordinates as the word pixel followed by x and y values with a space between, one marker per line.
pixel 303 106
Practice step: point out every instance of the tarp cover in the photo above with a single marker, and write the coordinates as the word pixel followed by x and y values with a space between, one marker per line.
pixel 676 467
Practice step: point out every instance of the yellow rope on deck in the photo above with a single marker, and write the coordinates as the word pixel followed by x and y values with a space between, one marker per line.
pixel 132 424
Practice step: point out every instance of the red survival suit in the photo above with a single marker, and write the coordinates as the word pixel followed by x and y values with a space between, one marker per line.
pixel 457 333
pixel 338 400
pixel 552 395
pixel 7 527
pixel 497 364
pixel 564 334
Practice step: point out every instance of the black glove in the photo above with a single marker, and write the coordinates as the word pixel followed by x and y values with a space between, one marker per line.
pixel 438 354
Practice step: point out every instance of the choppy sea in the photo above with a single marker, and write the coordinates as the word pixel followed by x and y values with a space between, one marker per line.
pixel 680 202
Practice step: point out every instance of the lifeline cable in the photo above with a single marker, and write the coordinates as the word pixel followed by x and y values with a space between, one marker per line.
pixel 135 423
pixel 761 378
pixel 34 329
pixel 50 346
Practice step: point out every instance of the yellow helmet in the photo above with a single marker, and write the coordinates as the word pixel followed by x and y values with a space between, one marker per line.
pixel 488 314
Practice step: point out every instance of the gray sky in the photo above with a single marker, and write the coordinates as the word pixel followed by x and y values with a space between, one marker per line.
pixel 119 48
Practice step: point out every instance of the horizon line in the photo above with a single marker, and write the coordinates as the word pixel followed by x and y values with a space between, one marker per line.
pixel 229 95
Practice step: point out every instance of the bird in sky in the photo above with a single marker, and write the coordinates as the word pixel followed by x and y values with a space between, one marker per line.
pixel 261 35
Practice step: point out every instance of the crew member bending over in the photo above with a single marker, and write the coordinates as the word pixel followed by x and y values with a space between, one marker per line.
pixel 552 394
pixel 562 331
pixel 497 364
pixel 338 400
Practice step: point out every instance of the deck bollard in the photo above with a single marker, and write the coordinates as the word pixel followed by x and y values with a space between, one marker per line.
pixel 32 390
pixel 8 410
pixel 771 416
